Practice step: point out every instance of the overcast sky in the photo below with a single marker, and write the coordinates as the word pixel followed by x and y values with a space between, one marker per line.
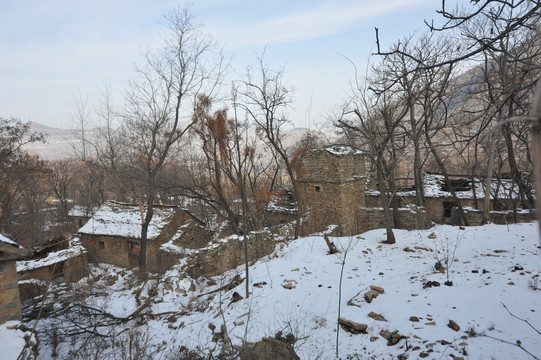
pixel 52 51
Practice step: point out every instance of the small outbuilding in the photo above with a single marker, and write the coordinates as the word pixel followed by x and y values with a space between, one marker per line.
pixel 10 301
pixel 113 233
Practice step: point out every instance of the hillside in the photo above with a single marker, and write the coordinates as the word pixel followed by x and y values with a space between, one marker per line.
pixel 296 291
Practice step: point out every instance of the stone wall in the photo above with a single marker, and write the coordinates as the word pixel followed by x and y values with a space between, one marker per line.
pixel 228 254
pixel 332 187
pixel 72 270
pixel 475 217
pixel 10 302
pixel 124 252
pixel 409 218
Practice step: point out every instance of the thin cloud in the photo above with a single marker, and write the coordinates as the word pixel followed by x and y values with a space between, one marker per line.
pixel 327 19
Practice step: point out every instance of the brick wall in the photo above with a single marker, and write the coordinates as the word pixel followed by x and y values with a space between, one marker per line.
pixel 10 302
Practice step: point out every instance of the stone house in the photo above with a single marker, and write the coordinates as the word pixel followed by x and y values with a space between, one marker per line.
pixel 113 233
pixel 440 205
pixel 10 302
pixel 335 189
pixel 332 185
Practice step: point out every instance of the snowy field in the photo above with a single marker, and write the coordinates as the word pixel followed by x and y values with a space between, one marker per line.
pixel 493 267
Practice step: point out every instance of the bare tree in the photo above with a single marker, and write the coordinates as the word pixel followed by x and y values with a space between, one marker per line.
pixel 157 112
pixel 265 99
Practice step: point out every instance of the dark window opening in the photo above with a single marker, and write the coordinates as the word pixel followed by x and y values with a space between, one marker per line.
pixel 447 211
pixel 133 247
pixel 457 184
pixel 317 188
pixel 101 244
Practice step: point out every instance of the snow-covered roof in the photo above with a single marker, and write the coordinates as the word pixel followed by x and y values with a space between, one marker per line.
pixel 435 187
pixel 10 250
pixel 343 150
pixel 8 241
pixel 81 211
pixel 75 249
pixel 124 220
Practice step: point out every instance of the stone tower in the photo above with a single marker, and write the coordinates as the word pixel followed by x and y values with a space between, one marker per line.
pixel 332 188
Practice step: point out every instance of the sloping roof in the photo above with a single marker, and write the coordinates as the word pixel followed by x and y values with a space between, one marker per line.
pixel 124 220
pixel 10 250
pixel 434 186
pixel 343 150
pixel 81 211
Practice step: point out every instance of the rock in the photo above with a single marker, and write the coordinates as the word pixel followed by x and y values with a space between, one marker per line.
pixel 453 325
pixel 268 349
pixel 414 319
pixel 407 249
pixel 438 266
pixel 377 288
pixel 431 323
pixel 444 342
pixel 392 337
pixel 236 297
pixel 429 284
pixel 352 327
pixel 375 316
pixel 423 355
pixel 448 283
pixel 370 295
pixel 288 339
pixel 432 236
pixel 288 286
pixel 373 338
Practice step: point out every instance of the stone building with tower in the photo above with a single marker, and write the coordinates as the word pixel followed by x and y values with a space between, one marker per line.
pixel 335 190
pixel 332 184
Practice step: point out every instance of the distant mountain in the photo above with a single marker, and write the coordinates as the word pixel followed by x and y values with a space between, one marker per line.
pixel 59 143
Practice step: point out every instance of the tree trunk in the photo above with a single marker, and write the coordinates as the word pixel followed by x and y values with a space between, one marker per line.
pixel 383 193
pixel 447 181
pixel 524 192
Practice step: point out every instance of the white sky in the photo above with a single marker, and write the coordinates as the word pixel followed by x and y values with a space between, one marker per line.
pixel 52 51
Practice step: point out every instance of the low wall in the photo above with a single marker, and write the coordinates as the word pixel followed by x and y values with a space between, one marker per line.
pixel 408 218
pixel 228 253
pixel 475 217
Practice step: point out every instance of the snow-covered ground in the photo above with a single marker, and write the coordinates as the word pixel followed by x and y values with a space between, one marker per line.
pixel 491 267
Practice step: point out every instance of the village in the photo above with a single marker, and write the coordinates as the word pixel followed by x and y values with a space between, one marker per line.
pixel 286 204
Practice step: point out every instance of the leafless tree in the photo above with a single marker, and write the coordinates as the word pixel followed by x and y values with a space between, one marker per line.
pixel 265 98
pixel 142 138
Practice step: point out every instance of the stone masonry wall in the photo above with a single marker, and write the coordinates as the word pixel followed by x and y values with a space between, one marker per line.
pixel 10 302
pixel 410 219
pixel 228 254
pixel 332 188
pixel 475 217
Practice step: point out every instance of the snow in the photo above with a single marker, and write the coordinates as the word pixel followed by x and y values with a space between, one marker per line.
pixel 491 266
pixel 75 249
pixel 81 211
pixel 8 241
pixel 115 219
pixel 343 150
pixel 12 340
pixel 433 189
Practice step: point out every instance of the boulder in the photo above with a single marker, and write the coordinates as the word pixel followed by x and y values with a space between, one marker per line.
pixel 268 349
pixel 352 327
pixel 370 295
